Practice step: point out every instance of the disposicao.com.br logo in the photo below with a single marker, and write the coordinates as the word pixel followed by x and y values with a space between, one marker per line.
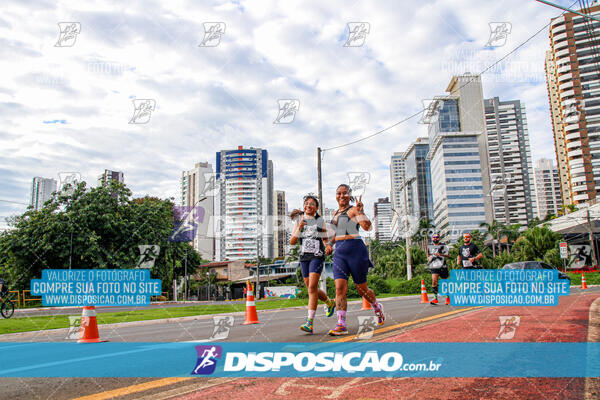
pixel 316 362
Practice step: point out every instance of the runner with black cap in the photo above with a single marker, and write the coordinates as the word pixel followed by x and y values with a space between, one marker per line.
pixel 437 252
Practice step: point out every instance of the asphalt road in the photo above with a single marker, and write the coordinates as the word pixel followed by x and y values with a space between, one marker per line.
pixel 275 326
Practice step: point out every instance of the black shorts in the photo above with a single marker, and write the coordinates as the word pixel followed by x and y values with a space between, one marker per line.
pixel 442 272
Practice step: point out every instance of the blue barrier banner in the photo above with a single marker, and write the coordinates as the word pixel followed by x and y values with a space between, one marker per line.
pixel 300 359
pixel 95 287
pixel 513 287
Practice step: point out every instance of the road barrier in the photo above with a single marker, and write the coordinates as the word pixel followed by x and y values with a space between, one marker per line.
pixel 18 300
pixel 25 299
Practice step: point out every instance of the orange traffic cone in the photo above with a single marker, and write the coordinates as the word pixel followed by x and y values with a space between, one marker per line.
pixel 366 305
pixel 251 316
pixel 88 329
pixel 424 298
pixel 447 300
pixel 583 282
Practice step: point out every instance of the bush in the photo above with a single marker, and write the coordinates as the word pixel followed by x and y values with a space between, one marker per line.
pixel 378 284
pixel 411 287
pixel 303 293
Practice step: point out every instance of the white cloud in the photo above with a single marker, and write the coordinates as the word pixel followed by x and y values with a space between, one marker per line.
pixel 208 99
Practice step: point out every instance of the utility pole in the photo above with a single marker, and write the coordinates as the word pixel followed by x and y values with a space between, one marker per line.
pixel 323 279
pixel 256 290
pixel 320 184
pixel 592 241
pixel 71 249
pixel 185 293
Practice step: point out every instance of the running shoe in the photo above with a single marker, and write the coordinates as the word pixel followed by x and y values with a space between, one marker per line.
pixel 329 310
pixel 380 315
pixel 308 326
pixel 434 302
pixel 338 330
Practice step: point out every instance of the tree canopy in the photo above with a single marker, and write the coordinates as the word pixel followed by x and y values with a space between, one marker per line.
pixel 103 226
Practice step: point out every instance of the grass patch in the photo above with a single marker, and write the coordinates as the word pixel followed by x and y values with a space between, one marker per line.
pixel 26 324
pixel 590 278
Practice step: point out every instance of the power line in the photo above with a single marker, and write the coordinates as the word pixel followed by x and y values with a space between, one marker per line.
pixel 466 83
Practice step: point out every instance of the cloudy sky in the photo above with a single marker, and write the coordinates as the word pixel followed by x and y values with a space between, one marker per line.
pixel 66 105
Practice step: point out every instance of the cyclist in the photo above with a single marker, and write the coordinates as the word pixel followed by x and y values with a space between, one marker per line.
pixel 436 259
pixel 310 232
pixel 468 254
pixel 3 288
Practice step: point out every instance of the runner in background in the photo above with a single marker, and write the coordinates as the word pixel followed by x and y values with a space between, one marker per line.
pixel 436 259
pixel 468 254
pixel 351 256
pixel 310 232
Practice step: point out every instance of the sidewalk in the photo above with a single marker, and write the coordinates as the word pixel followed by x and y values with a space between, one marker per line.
pixel 566 323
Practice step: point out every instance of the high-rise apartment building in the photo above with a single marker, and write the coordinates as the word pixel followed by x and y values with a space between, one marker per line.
pixel 459 160
pixel 109 175
pixel 279 229
pixel 547 186
pixel 396 177
pixel 573 82
pixel 383 217
pixel 244 203
pixel 511 169
pixel 418 180
pixel 198 190
pixel 41 191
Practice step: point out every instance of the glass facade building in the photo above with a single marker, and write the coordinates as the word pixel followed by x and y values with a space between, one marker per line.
pixel 458 156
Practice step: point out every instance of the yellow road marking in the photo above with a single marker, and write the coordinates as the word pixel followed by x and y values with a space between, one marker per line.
pixel 169 381
pixel 404 324
pixel 133 389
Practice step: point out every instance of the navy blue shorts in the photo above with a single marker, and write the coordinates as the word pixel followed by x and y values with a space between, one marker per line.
pixel 315 265
pixel 351 258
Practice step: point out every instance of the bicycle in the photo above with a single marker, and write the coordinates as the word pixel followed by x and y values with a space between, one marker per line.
pixel 7 309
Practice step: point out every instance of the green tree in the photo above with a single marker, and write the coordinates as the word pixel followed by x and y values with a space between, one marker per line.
pixel 535 242
pixel 495 231
pixel 103 226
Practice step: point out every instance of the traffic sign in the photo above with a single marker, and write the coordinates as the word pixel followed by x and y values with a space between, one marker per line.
pixel 564 250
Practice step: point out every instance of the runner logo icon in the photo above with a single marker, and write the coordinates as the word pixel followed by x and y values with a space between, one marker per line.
pixel 207 359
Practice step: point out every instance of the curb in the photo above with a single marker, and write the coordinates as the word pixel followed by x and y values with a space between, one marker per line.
pixel 29 334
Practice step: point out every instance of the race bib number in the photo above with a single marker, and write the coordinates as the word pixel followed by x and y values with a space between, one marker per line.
pixel 436 264
pixel 310 246
pixel 467 263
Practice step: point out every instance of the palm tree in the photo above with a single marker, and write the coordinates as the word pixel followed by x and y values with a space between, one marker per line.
pixel 535 242
pixel 494 230
pixel 512 234
pixel 422 233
